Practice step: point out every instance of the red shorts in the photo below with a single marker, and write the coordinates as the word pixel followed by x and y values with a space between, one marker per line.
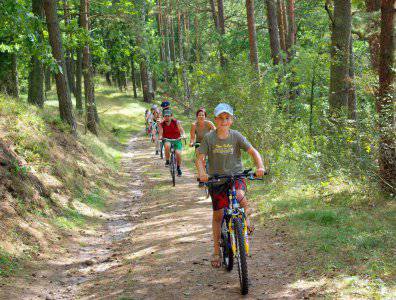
pixel 219 193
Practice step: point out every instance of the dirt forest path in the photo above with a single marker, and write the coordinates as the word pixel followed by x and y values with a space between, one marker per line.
pixel 156 244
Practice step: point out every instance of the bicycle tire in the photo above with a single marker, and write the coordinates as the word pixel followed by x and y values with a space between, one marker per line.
pixel 173 168
pixel 226 250
pixel 162 149
pixel 241 256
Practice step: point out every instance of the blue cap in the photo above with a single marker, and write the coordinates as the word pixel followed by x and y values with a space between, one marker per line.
pixel 223 108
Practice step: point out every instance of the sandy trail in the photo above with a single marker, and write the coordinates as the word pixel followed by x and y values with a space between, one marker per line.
pixel 156 244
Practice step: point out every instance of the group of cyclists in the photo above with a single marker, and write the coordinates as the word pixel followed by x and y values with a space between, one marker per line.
pixel 218 152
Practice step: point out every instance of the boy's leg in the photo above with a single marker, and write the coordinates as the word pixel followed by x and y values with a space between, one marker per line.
pixel 178 157
pixel 243 202
pixel 216 228
pixel 167 148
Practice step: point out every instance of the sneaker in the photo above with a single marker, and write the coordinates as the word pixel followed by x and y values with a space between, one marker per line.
pixel 156 152
pixel 179 171
pixel 167 163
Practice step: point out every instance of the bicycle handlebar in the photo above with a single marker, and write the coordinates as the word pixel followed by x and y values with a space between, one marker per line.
pixel 249 174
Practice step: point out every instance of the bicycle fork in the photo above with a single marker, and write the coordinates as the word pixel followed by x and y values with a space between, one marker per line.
pixel 237 212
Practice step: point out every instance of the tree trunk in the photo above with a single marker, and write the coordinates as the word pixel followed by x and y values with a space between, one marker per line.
pixel 386 97
pixel 79 68
pixel 145 82
pixel 352 88
pixel 8 74
pixel 291 33
pixel 273 31
pixel 69 57
pixel 339 76
pixel 221 29
pixel 373 6
pixel 214 14
pixel 47 75
pixel 108 78
pixel 65 104
pixel 281 25
pixel 197 39
pixel 187 31
pixel 172 33
pixel 133 77
pixel 166 29
pixel 252 34
pixel 180 22
pixel 36 74
pixel 87 72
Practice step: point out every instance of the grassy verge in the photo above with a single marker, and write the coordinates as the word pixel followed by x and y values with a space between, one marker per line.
pixel 82 184
pixel 339 231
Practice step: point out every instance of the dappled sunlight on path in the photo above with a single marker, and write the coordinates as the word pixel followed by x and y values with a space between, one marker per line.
pixel 167 253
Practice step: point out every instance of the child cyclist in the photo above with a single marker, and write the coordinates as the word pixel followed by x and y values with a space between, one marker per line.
pixel 198 130
pixel 170 128
pixel 223 148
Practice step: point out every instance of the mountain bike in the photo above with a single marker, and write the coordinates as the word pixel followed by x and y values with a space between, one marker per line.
pixel 234 242
pixel 172 159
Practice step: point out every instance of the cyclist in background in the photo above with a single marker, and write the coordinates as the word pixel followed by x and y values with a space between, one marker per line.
pixel 198 130
pixel 170 128
pixel 165 105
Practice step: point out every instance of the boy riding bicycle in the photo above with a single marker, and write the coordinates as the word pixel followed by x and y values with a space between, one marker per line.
pixel 170 128
pixel 223 149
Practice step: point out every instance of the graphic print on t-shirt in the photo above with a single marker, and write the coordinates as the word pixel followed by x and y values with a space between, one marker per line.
pixel 223 149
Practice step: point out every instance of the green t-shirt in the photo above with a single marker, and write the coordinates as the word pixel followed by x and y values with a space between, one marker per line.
pixel 224 156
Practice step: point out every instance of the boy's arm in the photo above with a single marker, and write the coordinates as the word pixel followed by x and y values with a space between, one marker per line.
pixel 183 134
pixel 203 177
pixel 160 132
pixel 192 134
pixel 260 170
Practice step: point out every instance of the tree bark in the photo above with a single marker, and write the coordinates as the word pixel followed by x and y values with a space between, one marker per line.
pixel 186 86
pixel 79 68
pixel 65 104
pixel 352 110
pixel 339 76
pixel 47 75
pixel 214 14
pixel 197 39
pixel 172 33
pixel 372 7
pixel 386 97
pixel 36 74
pixel 87 72
pixel 281 25
pixel 252 34
pixel 273 31
pixel 133 77
pixel 221 29
pixel 68 56
pixel 291 33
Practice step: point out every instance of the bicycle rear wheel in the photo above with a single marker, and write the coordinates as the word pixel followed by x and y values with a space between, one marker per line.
pixel 241 256
pixel 162 149
pixel 173 168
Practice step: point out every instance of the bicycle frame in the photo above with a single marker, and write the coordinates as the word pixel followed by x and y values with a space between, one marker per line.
pixel 235 211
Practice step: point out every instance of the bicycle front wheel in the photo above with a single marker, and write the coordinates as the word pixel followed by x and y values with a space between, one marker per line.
pixel 226 250
pixel 241 256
